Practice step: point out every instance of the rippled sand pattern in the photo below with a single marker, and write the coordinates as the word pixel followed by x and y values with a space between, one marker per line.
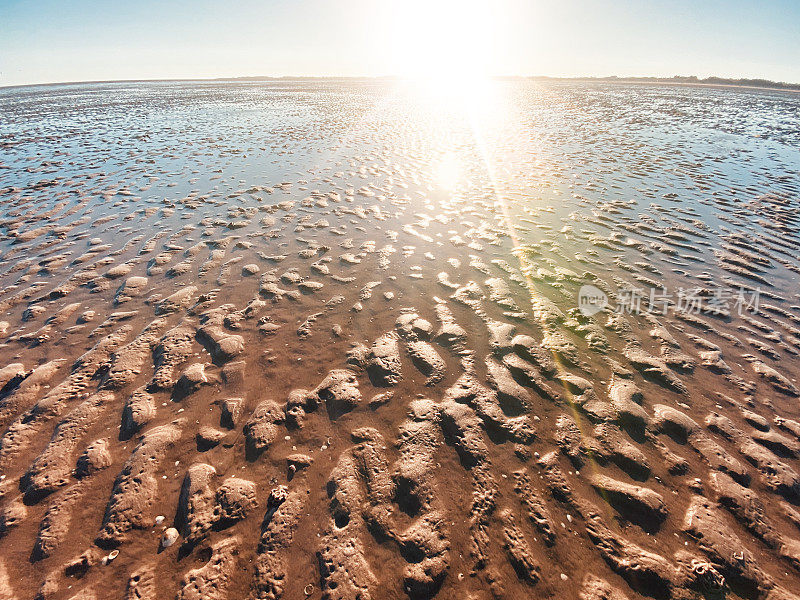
pixel 321 339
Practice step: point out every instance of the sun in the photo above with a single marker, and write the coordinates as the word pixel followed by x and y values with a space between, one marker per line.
pixel 441 39
pixel 446 49
pixel 444 53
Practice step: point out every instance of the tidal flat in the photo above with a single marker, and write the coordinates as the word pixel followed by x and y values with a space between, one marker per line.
pixel 357 339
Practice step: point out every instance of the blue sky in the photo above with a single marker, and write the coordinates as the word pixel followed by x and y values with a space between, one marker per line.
pixel 49 41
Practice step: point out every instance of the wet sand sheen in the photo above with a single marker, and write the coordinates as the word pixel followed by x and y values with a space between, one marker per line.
pixel 322 339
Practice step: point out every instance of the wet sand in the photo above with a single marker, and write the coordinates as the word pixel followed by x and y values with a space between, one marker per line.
pixel 322 339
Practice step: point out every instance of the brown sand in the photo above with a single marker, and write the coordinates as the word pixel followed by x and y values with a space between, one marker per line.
pixel 254 349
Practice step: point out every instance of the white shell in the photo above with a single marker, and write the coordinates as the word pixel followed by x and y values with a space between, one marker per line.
pixel 169 538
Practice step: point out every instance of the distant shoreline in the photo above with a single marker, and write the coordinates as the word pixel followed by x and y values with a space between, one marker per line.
pixel 765 84
pixel 689 81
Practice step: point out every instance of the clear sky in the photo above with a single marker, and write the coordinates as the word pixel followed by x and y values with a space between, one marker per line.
pixel 78 40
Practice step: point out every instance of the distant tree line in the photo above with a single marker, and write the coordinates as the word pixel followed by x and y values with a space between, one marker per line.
pixel 692 79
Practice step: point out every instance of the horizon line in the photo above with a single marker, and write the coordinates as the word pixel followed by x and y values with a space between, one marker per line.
pixel 710 81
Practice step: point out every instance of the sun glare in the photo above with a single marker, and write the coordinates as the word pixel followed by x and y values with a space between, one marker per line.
pixel 445 51
pixel 441 38
pixel 448 172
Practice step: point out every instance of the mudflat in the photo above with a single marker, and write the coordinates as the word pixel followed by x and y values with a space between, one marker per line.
pixel 345 339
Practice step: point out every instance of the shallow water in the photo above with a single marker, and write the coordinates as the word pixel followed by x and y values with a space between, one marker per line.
pixel 275 231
